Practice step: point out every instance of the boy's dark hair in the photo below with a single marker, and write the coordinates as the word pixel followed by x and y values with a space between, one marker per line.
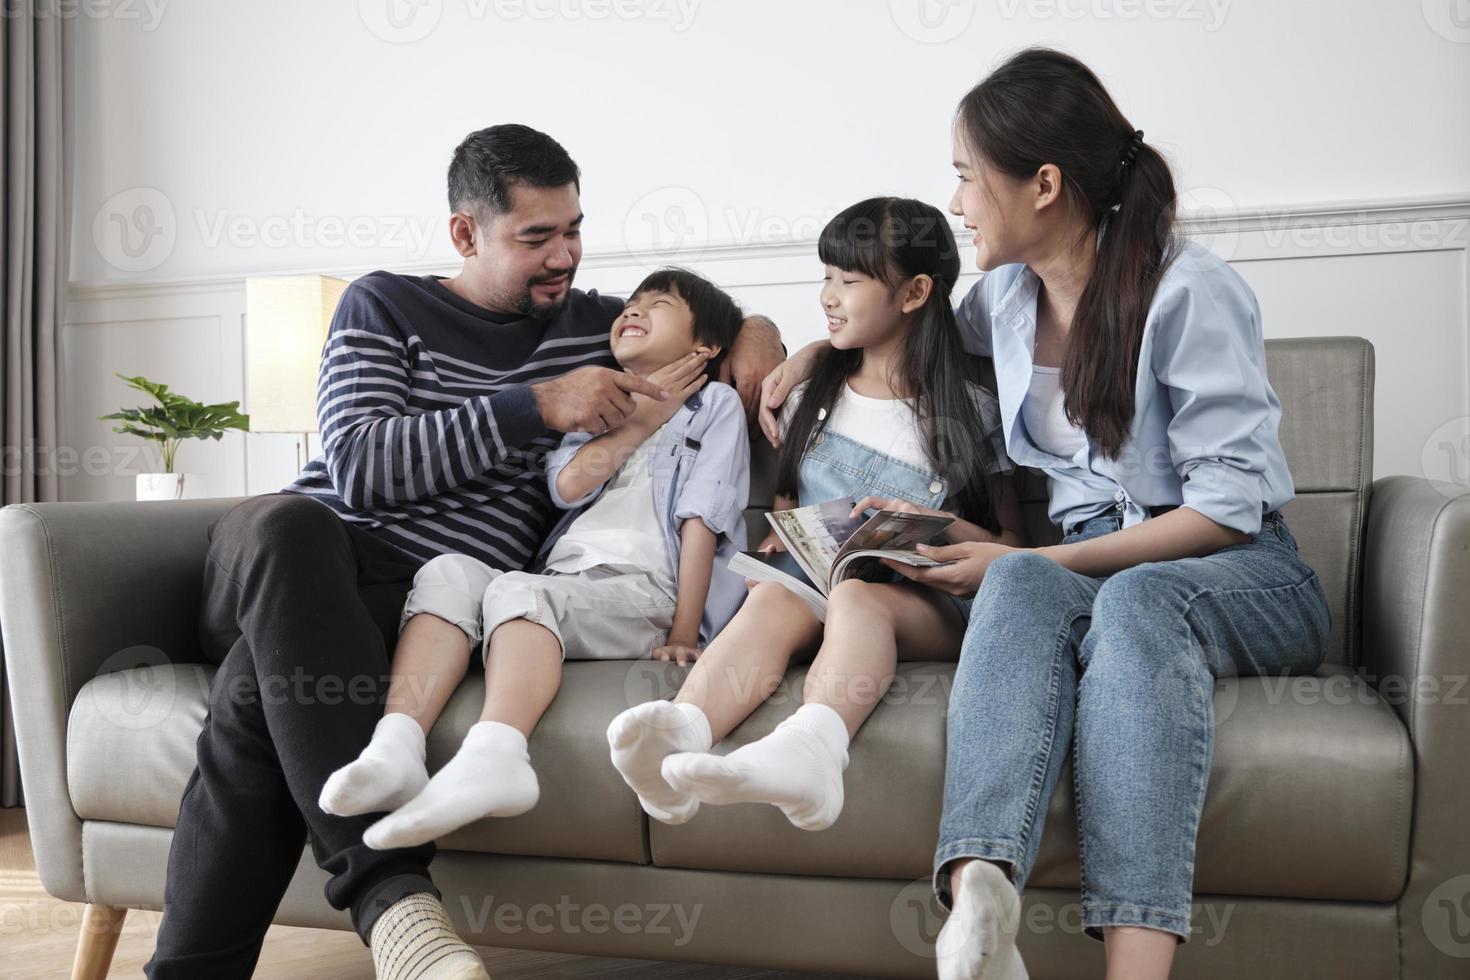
pixel 717 317
pixel 490 160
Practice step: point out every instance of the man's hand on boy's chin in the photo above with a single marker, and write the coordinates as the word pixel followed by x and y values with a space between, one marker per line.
pixel 590 399
pixel 756 353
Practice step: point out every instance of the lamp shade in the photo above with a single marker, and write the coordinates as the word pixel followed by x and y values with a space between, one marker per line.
pixel 286 321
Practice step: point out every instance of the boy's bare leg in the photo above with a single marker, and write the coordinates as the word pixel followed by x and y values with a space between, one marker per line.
pixel 430 660
pixel 491 774
pixel 428 664
pixel 522 674
pixel 739 670
pixel 799 766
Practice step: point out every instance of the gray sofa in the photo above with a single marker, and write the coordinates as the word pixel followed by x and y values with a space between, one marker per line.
pixel 1332 839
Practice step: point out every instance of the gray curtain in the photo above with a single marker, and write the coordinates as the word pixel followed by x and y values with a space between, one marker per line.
pixel 35 213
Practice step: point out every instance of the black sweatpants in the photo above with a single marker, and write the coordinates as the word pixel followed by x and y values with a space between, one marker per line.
pixel 300 610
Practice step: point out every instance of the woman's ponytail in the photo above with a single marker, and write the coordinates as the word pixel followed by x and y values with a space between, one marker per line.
pixel 1101 367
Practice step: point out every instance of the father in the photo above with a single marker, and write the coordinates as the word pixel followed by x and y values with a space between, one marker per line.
pixel 438 399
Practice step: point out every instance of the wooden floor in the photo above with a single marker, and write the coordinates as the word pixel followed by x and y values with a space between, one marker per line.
pixel 38 936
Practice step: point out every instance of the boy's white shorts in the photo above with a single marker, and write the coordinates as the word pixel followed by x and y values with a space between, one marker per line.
pixel 598 614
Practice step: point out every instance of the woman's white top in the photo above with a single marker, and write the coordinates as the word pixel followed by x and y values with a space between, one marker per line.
pixel 1045 417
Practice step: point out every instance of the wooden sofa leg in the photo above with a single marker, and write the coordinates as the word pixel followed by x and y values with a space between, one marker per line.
pixel 101 925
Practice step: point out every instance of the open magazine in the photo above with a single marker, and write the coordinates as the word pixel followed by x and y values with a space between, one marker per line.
pixel 824 546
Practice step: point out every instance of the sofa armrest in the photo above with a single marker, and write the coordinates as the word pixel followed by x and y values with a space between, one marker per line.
pixel 1416 650
pixel 89 588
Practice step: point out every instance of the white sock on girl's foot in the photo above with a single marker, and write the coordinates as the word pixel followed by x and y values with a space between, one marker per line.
pixel 978 941
pixel 414 940
pixel 490 776
pixel 641 737
pixel 798 767
pixel 388 773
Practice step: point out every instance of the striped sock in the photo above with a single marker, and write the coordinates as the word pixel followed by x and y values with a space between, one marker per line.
pixel 414 940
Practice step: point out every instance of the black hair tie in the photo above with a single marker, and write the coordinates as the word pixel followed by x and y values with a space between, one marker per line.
pixel 1131 150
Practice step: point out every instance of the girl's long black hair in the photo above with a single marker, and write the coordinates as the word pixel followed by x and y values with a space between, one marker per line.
pixel 892 240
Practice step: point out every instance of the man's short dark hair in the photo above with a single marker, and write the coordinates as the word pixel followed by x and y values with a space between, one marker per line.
pixel 717 317
pixel 490 160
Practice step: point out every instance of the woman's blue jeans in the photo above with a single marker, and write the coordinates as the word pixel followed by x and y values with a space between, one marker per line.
pixel 1122 668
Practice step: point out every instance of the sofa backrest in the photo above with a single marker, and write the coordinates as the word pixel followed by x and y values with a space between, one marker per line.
pixel 1326 391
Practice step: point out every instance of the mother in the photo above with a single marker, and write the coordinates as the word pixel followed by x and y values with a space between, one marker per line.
pixel 1130 368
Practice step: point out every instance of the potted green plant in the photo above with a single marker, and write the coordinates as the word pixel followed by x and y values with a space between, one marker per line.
pixel 172 420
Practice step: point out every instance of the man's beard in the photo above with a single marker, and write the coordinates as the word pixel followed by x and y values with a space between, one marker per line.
pixel 544 311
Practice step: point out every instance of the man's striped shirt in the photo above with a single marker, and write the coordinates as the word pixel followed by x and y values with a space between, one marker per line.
pixel 431 437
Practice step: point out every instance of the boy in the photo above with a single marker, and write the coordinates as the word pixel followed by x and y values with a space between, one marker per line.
pixel 636 568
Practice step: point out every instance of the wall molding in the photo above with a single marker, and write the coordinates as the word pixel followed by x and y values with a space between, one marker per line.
pixel 1420 320
pixel 1245 234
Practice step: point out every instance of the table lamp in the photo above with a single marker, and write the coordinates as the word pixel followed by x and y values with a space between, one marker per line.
pixel 286 321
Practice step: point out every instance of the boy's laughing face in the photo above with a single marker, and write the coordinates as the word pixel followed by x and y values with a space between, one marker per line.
pixel 654 329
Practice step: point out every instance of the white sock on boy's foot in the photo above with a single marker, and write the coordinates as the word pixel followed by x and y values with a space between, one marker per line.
pixel 798 767
pixel 641 737
pixel 490 776
pixel 388 773
pixel 978 941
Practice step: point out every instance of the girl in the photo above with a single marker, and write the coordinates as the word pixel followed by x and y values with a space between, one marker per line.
pixel 1131 369
pixel 888 421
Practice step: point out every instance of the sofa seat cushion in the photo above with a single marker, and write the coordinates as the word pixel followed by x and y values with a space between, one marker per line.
pixel 1309 795
pixel 130 751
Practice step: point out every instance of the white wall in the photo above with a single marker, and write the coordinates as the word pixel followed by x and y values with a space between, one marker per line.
pixel 240 113
pixel 289 136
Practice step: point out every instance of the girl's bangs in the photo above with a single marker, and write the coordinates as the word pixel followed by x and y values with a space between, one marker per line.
pixel 853 241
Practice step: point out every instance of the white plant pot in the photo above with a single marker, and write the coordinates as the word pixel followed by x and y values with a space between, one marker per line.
pixel 170 486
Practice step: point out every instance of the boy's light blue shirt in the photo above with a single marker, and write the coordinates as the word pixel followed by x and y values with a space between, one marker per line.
pixel 1206 420
pixel 701 468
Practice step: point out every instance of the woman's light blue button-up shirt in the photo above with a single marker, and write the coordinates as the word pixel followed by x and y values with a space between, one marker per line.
pixel 1205 421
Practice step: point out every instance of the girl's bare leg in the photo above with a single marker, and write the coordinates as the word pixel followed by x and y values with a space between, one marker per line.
pixel 868 627
pixel 799 766
pixel 746 662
